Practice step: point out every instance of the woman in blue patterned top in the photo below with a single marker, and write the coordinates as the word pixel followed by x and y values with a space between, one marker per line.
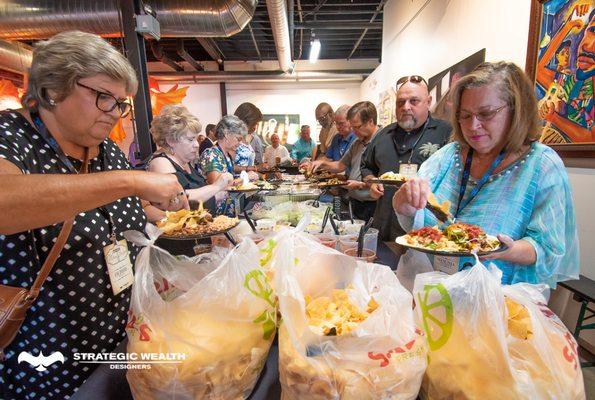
pixel 516 187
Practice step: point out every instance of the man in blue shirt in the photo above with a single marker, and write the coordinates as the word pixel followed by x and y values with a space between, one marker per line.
pixel 344 137
pixel 305 147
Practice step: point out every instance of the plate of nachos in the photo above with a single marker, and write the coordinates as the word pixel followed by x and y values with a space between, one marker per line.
pixel 194 224
pixel 457 239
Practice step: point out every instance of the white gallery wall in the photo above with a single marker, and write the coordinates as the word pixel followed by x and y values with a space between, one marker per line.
pixel 424 37
pixel 204 100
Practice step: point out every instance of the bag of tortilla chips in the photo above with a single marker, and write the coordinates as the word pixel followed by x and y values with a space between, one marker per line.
pixel 492 341
pixel 348 330
pixel 215 319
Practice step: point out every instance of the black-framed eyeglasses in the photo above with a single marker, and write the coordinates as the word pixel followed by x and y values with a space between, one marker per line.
pixel 481 116
pixel 411 78
pixel 108 103
pixel 324 117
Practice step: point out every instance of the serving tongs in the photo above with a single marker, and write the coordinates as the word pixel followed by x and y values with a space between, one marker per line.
pixel 438 210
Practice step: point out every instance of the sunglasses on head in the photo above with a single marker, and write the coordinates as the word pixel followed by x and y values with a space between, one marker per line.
pixel 412 78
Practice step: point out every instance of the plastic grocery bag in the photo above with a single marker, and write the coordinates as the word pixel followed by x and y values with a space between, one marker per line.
pixel 491 341
pixel 384 357
pixel 219 314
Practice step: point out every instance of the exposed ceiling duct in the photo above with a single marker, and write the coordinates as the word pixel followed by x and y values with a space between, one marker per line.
pixel 181 50
pixel 41 19
pixel 260 76
pixel 278 15
pixel 161 56
pixel 15 57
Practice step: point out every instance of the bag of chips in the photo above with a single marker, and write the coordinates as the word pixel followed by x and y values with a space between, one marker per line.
pixel 492 341
pixel 215 317
pixel 348 330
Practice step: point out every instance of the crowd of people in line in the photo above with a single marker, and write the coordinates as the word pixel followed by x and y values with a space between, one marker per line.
pixel 486 160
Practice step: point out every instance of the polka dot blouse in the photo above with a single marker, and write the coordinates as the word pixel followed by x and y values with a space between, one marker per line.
pixel 76 310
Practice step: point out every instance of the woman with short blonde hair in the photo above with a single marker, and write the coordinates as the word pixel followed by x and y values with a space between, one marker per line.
pixel 498 176
pixel 175 130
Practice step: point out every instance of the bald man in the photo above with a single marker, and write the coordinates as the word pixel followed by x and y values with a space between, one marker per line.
pixel 326 118
pixel 402 147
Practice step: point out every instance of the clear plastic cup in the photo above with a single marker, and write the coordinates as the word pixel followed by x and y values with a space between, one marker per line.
pixel 202 249
pixel 346 227
pixel 326 239
pixel 367 254
pixel 255 237
pixel 347 242
pixel 265 225
pixel 220 241
pixel 371 239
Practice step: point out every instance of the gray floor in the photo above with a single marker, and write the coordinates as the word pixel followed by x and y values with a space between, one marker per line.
pixel 589 375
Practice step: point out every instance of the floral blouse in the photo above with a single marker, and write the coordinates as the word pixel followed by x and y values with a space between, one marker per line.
pixel 213 159
pixel 245 155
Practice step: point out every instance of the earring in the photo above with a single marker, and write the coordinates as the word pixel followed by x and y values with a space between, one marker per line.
pixel 52 102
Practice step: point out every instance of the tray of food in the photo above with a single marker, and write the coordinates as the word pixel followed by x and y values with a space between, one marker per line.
pixel 244 187
pixel 264 185
pixel 334 182
pixel 194 224
pixel 270 170
pixel 390 178
pixel 457 239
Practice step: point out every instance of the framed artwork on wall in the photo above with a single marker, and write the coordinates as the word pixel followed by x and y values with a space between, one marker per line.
pixel 439 85
pixel 287 126
pixel 561 61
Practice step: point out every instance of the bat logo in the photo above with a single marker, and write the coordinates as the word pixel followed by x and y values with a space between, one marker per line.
pixel 41 362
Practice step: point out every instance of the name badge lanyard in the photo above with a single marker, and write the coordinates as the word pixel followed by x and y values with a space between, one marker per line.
pixel 465 179
pixel 51 141
pixel 423 131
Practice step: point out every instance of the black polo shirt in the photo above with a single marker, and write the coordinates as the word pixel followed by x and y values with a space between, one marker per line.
pixel 391 147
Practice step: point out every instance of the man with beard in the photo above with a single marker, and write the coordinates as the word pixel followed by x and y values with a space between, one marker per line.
pixel 402 147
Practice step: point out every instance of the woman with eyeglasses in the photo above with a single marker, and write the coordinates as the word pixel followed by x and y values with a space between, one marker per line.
pixel 77 90
pixel 498 176
pixel 175 131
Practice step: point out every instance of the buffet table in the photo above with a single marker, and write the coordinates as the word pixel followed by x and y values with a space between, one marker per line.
pixel 111 384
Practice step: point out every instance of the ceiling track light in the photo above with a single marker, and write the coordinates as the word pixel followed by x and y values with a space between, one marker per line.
pixel 314 49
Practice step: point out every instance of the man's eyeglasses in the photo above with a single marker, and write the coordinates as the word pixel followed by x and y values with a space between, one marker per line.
pixel 481 116
pixel 412 78
pixel 324 117
pixel 108 103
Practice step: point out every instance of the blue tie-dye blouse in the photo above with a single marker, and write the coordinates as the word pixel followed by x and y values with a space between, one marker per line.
pixel 530 200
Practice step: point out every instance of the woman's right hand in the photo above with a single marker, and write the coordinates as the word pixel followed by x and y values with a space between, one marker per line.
pixel 161 190
pixel 412 196
pixel 224 181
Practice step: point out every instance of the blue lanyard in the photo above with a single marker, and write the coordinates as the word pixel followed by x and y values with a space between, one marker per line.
pixel 480 183
pixel 51 141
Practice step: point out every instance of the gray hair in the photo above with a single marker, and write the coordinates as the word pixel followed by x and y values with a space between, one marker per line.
pixel 172 123
pixel 343 110
pixel 230 124
pixel 61 61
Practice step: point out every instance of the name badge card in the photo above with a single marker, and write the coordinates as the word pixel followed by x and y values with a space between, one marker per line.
pixel 119 266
